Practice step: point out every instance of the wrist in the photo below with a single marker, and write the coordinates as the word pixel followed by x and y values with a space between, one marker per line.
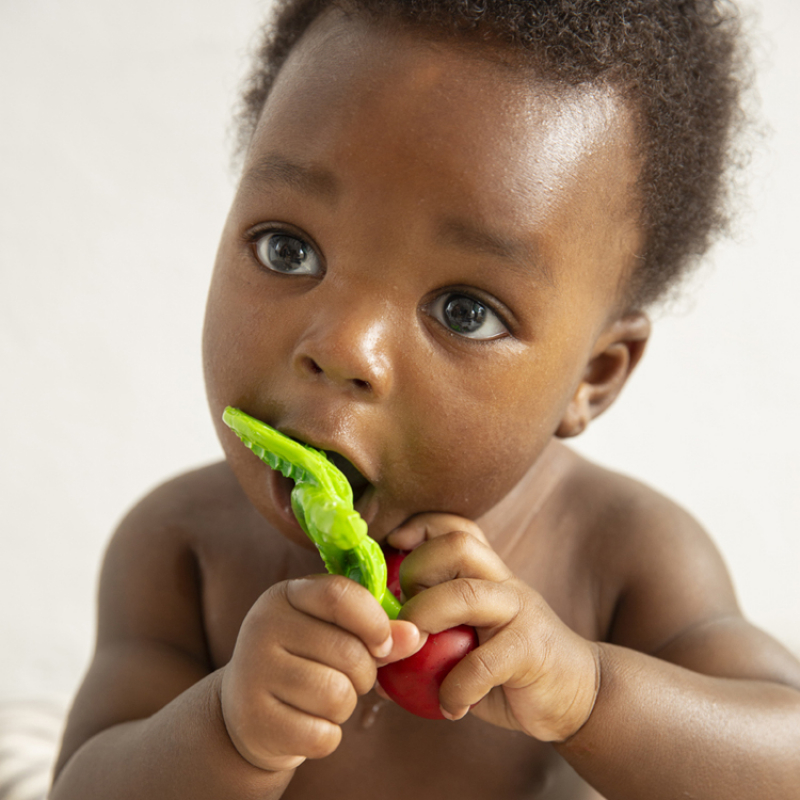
pixel 563 699
pixel 233 718
pixel 586 696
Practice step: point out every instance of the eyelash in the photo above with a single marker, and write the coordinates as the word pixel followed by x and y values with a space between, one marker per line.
pixel 254 234
pixel 253 237
pixel 495 307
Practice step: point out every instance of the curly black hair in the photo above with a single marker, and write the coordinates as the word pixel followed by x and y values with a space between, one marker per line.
pixel 678 63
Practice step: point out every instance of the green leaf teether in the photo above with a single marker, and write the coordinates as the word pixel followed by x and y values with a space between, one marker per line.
pixel 322 501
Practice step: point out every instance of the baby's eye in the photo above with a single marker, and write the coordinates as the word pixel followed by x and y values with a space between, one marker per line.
pixel 467 316
pixel 284 253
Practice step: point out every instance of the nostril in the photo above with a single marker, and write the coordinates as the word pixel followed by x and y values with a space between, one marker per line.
pixel 312 366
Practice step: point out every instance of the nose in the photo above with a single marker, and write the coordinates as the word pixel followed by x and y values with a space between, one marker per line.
pixel 348 349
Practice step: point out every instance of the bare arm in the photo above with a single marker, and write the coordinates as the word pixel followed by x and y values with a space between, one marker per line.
pixel 694 701
pixel 147 721
pixel 688 700
pixel 180 751
pixel 659 730
pixel 158 716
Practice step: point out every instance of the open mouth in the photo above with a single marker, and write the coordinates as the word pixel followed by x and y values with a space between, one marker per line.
pixel 358 483
pixel 282 487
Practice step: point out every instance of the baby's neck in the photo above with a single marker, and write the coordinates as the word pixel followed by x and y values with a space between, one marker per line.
pixel 519 512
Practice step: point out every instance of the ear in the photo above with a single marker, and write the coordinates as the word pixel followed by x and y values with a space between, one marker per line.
pixel 615 355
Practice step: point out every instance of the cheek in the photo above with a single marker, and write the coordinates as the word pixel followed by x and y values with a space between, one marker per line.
pixel 475 439
pixel 238 338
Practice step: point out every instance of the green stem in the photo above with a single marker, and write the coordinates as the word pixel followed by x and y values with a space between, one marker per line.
pixel 391 605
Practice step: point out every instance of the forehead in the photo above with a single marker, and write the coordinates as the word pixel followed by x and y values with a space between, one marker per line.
pixel 462 126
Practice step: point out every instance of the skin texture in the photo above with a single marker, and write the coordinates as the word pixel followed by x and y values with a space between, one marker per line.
pixel 610 640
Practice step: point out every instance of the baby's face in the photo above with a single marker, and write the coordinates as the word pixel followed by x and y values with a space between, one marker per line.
pixel 423 253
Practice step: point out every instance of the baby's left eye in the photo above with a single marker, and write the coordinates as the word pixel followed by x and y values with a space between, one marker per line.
pixel 467 316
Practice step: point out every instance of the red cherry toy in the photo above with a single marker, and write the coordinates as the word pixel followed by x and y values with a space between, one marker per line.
pixel 414 682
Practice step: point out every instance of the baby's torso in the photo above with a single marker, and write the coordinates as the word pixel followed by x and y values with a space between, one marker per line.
pixel 386 752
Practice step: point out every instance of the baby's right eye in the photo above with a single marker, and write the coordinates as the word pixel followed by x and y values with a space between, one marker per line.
pixel 287 254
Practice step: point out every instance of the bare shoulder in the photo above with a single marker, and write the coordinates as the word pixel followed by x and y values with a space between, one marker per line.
pixel 189 505
pixel 153 561
pixel 187 563
pixel 664 579
pixel 159 629
pixel 637 535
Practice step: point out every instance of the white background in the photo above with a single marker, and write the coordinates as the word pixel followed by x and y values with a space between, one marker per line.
pixel 114 184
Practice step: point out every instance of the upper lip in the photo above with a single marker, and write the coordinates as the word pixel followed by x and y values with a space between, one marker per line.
pixel 331 447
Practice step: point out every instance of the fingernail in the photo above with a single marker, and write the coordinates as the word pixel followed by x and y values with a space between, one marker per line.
pixel 454 717
pixel 383 649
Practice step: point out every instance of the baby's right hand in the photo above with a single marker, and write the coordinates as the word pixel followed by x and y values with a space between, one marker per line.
pixel 305 651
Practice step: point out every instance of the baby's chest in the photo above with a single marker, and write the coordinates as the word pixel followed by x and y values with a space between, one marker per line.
pixel 388 754
pixel 233 583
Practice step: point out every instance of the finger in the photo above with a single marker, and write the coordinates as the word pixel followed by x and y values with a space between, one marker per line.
pixel 430 525
pixel 406 638
pixel 547 696
pixel 272 735
pixel 341 650
pixel 296 733
pixel 453 555
pixel 505 659
pixel 314 688
pixel 465 601
pixel 344 603
pixel 330 645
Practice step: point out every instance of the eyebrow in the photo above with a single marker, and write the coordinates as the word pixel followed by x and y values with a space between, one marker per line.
pixel 310 180
pixel 464 234
pixel 518 255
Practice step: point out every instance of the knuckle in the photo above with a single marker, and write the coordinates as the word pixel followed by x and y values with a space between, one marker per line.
pixel 363 675
pixel 278 594
pixel 351 654
pixel 483 664
pixel 322 738
pixel 360 669
pixel 338 690
pixel 516 642
pixel 462 544
pixel 469 530
pixel 354 666
pixel 336 589
pixel 469 680
pixel 460 540
pixel 363 682
pixel 469 592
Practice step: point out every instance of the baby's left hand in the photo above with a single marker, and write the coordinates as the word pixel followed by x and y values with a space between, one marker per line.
pixel 530 671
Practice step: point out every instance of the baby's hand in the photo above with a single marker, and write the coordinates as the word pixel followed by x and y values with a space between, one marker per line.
pixel 530 672
pixel 305 651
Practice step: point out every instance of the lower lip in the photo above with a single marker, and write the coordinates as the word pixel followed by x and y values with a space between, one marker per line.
pixel 281 491
pixel 281 494
pixel 367 505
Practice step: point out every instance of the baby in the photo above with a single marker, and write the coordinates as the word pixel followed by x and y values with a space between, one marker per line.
pixel 451 220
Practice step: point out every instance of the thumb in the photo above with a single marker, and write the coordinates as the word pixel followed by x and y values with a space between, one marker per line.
pixel 406 640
